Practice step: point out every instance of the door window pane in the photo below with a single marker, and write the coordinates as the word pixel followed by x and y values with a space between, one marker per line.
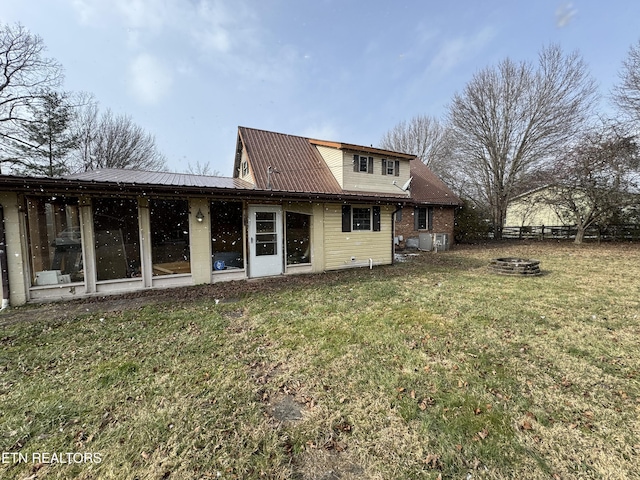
pixel 266 237
pixel 170 236
pixel 266 245
pixel 298 235
pixel 55 242
pixel 117 235
pixel 226 235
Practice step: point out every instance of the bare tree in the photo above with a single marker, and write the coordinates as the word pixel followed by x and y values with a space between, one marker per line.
pixel 512 117
pixel 24 74
pixel 202 169
pixel 626 95
pixel 595 179
pixel 110 141
pixel 422 136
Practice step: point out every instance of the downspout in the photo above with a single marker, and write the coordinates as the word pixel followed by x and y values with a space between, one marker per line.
pixel 393 233
pixel 4 264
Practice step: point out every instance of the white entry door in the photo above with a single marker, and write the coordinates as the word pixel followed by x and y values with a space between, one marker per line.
pixel 265 240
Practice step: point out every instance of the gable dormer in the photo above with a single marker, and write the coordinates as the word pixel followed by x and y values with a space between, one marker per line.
pixel 366 169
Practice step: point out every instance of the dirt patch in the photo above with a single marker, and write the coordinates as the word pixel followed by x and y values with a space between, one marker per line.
pixel 284 408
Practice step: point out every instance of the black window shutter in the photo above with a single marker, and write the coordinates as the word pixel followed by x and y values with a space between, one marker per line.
pixel 397 168
pixel 370 169
pixel 399 215
pixel 356 163
pixel 416 218
pixel 346 218
pixel 430 218
pixel 376 219
pixel 384 166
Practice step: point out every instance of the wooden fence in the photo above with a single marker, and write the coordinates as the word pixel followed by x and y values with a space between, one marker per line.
pixel 606 233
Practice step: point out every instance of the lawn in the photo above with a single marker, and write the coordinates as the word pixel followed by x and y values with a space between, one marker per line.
pixel 431 368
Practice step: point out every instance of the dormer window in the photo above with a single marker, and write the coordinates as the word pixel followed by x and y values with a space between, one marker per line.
pixel 245 168
pixel 390 167
pixel 362 164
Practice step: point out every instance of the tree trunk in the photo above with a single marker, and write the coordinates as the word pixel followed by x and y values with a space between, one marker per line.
pixel 579 235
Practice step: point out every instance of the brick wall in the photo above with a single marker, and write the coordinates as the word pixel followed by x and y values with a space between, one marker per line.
pixel 443 220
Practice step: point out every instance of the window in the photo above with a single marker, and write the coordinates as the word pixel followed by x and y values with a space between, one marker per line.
pixel 226 235
pixel 170 236
pixel 55 242
pixel 423 218
pixel 391 167
pixel 362 164
pixel 266 234
pixel 360 218
pixel 298 238
pixel 245 168
pixel 117 238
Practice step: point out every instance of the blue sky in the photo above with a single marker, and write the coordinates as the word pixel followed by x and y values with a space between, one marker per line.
pixel 191 71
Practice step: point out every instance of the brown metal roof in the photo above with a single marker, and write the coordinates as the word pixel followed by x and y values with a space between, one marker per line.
pixel 300 168
pixel 296 164
pixel 299 172
pixel 426 187
pixel 140 177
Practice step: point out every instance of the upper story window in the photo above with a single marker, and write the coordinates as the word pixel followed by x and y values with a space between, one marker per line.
pixel 245 168
pixel 362 164
pixel 391 167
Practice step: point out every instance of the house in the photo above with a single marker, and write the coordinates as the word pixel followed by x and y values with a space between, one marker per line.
pixel 533 209
pixel 293 205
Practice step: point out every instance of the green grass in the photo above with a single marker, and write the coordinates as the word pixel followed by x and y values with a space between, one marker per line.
pixel 432 368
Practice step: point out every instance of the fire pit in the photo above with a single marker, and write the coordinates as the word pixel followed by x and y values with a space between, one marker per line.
pixel 515 266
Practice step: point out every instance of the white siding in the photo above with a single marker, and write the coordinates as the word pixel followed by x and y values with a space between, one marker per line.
pixel 334 160
pixel 249 177
pixel 374 182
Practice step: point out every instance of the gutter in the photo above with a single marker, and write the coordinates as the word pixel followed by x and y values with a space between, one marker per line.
pixel 4 264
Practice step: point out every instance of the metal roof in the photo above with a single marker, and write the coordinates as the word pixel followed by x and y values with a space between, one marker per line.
pixel 298 172
pixel 141 177
pixel 426 187
pixel 296 165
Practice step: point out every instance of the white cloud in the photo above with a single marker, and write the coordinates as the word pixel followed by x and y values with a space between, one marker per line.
pixel 565 14
pixel 456 50
pixel 150 80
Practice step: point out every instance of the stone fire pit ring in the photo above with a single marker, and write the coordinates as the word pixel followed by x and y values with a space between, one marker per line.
pixel 515 266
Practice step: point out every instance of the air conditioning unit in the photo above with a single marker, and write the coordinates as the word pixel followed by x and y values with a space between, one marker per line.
pixel 441 241
pixel 425 242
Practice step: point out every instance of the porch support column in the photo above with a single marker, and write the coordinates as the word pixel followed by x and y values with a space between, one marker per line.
pixel 16 247
pixel 200 241
pixel 317 238
pixel 88 244
pixel 144 219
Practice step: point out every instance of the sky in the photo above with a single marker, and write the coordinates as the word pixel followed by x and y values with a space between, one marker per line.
pixel 191 71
